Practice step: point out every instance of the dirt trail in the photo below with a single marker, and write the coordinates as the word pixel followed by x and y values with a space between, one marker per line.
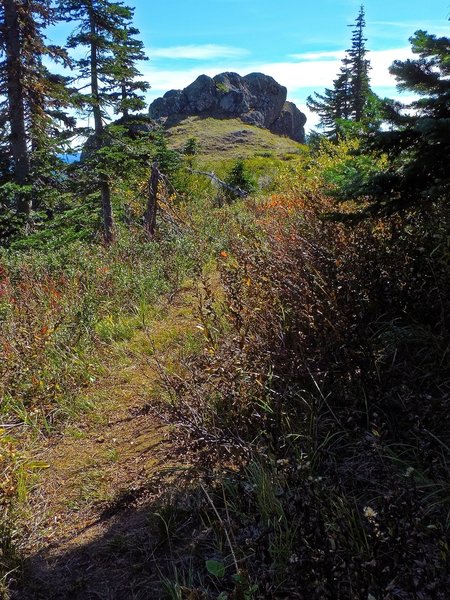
pixel 91 510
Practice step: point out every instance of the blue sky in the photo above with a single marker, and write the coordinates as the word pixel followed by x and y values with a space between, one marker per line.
pixel 299 43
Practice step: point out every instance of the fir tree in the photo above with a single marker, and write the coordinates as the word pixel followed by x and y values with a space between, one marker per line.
pixel 127 89
pixel 335 103
pixel 418 143
pixel 35 99
pixel 342 91
pixel 104 27
pixel 359 66
pixel 13 87
pixel 349 97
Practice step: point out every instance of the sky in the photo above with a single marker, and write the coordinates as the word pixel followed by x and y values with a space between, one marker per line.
pixel 300 44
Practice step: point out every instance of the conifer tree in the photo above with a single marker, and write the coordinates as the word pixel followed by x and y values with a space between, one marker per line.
pixel 343 91
pixel 334 103
pixel 104 27
pixel 418 143
pixel 348 98
pixel 123 80
pixel 13 86
pixel 359 69
pixel 34 98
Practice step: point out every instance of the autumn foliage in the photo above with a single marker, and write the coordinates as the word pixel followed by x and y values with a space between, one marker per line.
pixel 325 362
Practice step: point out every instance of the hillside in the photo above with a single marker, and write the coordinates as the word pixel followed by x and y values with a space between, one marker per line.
pixel 255 99
pixel 253 372
pixel 223 139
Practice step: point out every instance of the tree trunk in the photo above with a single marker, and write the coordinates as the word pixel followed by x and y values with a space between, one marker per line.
pixel 107 213
pixel 98 123
pixel 107 216
pixel 16 105
pixel 152 202
pixel 125 111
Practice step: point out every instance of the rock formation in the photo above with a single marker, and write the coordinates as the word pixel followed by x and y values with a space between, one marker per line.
pixel 256 99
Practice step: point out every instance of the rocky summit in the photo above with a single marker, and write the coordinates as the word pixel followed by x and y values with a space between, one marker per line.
pixel 256 99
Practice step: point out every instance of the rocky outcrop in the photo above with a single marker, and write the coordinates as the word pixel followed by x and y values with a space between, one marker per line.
pixel 256 99
pixel 291 120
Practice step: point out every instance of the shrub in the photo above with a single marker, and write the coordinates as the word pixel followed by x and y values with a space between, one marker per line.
pixel 324 357
pixel 239 177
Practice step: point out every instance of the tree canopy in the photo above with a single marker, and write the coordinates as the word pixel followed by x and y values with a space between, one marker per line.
pixel 418 141
pixel 350 97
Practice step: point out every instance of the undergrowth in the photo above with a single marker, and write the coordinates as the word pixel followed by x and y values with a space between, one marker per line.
pixel 64 304
pixel 316 412
pixel 319 408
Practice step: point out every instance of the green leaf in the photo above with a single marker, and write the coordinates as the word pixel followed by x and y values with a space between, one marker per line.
pixel 215 568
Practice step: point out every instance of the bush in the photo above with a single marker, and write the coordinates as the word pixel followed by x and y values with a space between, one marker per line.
pixel 239 177
pixel 324 363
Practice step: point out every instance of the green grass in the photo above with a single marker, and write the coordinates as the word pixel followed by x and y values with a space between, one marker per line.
pixel 228 139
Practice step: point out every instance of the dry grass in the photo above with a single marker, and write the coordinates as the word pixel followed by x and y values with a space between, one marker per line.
pixel 325 381
pixel 107 461
pixel 305 393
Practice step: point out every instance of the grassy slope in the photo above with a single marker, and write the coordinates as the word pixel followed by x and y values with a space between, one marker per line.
pixel 106 463
pixel 81 440
pixel 230 139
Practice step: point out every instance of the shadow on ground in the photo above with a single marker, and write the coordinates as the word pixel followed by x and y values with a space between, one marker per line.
pixel 125 554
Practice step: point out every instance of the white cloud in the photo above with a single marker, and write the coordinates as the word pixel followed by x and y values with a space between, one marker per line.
pixel 294 74
pixel 197 52
pixel 300 76
pixel 320 73
pixel 332 54
pixel 381 60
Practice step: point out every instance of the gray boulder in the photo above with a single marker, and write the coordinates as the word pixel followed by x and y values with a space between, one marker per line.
pixel 233 98
pixel 170 104
pixel 256 99
pixel 269 97
pixel 199 96
pixel 290 123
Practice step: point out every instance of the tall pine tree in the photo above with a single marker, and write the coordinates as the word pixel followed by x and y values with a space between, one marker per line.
pixel 335 103
pixel 12 80
pixel 126 89
pixel 351 93
pixel 359 89
pixel 34 98
pixel 104 27
pixel 418 142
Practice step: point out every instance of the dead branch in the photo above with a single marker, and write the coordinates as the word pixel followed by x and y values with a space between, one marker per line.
pixel 235 190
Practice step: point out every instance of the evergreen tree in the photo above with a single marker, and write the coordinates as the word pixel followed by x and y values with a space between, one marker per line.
pixel 343 91
pixel 418 143
pixel 124 75
pixel 34 99
pixel 335 103
pixel 325 106
pixel 359 66
pixel 349 97
pixel 104 27
pixel 13 87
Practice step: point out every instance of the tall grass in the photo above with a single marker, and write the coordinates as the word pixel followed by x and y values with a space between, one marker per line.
pixel 63 303
pixel 326 364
